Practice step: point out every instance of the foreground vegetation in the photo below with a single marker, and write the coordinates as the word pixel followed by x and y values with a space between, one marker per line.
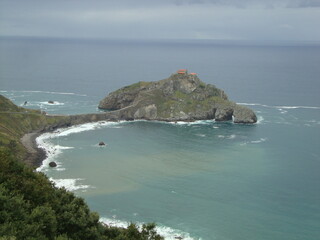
pixel 31 207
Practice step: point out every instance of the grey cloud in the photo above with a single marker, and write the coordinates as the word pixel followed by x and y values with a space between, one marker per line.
pixel 212 19
pixel 304 4
pixel 248 3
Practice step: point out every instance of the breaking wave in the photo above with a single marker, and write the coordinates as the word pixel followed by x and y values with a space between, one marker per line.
pixel 52 151
pixel 47 92
pixel 70 184
pixel 167 232
pixel 279 107
pixel 254 141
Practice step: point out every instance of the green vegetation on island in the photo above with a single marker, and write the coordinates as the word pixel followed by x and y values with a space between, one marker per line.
pixel 181 97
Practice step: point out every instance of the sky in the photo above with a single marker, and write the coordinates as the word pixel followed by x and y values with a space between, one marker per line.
pixel 261 20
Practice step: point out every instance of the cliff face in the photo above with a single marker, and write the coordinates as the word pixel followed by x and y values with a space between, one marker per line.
pixel 181 97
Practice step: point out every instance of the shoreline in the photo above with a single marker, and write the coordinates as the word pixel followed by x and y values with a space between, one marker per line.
pixel 35 155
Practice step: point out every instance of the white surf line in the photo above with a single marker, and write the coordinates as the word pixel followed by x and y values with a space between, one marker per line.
pixel 254 141
pixel 70 184
pixel 55 103
pixel 48 92
pixel 166 232
pixel 52 151
pixel 279 107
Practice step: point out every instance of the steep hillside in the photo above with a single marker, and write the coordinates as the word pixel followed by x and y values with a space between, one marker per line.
pixel 31 207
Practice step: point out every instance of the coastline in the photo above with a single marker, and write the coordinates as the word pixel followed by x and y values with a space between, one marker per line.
pixel 35 155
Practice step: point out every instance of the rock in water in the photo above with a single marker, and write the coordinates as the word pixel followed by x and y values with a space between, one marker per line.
pixel 181 97
pixel 51 102
pixel 52 164
pixel 243 115
pixel 102 144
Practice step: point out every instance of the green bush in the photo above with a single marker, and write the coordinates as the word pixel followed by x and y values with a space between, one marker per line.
pixel 31 207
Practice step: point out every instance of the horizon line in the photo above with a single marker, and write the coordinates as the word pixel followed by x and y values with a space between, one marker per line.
pixel 258 42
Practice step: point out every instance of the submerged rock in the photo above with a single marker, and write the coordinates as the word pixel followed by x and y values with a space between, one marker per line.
pixel 102 144
pixel 51 102
pixel 181 97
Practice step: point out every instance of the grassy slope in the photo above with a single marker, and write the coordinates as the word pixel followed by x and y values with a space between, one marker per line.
pixel 31 207
pixel 16 121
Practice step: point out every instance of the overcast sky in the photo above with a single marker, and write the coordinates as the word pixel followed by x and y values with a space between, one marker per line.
pixel 296 20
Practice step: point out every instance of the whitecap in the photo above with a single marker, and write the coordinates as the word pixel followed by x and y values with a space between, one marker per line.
pixel 221 136
pixel 259 141
pixel 254 141
pixel 48 92
pixel 279 107
pixel 69 184
pixel 260 119
pixel 60 169
pixel 54 103
pixel 166 232
pixel 296 107
pixel 254 104
pixel 200 135
pixel 233 136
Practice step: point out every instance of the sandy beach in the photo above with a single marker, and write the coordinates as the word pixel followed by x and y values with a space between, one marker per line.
pixel 35 155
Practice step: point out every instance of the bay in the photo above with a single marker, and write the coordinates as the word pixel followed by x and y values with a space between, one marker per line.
pixel 204 180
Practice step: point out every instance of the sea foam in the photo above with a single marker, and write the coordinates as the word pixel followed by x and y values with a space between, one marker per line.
pixel 254 141
pixel 52 151
pixel 55 103
pixel 167 232
pixel 279 107
pixel 47 92
pixel 70 184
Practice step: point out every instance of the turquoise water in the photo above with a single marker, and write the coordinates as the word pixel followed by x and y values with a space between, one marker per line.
pixel 204 180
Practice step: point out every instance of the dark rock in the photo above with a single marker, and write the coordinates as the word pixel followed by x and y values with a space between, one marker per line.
pixel 102 143
pixel 51 102
pixel 223 114
pixel 243 114
pixel 52 164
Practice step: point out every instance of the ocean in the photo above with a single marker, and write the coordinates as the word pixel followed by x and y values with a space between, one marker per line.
pixel 203 180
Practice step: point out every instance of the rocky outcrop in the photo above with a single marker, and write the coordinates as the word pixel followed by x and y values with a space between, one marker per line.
pixel 52 164
pixel 243 114
pixel 223 114
pixel 181 97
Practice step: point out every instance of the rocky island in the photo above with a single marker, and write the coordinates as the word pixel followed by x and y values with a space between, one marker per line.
pixel 181 97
